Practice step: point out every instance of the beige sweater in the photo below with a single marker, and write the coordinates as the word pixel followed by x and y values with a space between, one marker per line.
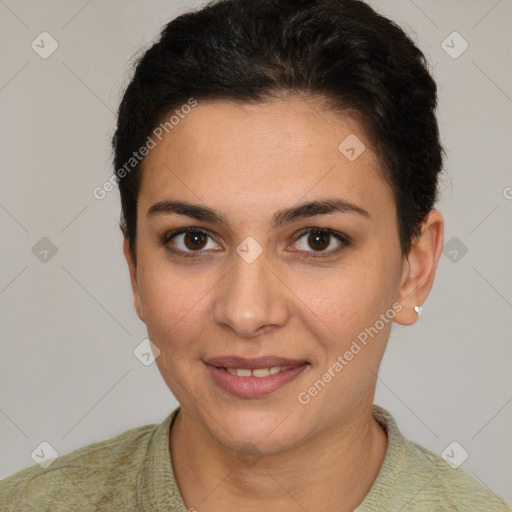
pixel 133 472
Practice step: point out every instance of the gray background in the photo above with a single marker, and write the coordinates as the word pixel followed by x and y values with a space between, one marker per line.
pixel 68 328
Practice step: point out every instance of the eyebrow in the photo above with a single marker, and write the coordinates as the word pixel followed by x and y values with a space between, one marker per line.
pixel 280 218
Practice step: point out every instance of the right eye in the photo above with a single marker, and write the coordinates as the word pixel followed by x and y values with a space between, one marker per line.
pixel 189 241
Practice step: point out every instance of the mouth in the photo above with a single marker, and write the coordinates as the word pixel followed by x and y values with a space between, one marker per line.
pixel 252 378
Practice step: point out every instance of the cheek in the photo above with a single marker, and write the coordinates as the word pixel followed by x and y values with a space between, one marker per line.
pixel 175 303
pixel 341 302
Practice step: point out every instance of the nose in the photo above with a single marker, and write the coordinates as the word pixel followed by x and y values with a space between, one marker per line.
pixel 251 299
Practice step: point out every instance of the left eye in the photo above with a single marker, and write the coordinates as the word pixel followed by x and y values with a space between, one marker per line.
pixel 321 240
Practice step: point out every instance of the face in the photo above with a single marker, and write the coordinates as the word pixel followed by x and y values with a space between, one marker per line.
pixel 271 316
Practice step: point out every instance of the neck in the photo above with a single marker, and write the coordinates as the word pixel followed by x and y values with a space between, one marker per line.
pixel 333 470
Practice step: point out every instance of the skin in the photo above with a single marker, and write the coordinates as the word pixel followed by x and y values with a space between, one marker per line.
pixel 247 162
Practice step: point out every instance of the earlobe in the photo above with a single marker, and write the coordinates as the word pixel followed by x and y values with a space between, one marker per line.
pixel 132 267
pixel 420 268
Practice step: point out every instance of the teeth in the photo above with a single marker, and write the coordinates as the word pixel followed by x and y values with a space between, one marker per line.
pixel 261 372
pixel 257 372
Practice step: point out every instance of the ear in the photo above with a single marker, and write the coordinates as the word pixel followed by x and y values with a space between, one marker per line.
pixel 419 268
pixel 132 267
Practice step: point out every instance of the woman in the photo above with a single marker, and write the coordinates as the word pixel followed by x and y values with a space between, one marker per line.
pixel 278 165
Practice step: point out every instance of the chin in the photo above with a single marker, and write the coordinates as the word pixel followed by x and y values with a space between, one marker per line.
pixel 266 432
pixel 258 444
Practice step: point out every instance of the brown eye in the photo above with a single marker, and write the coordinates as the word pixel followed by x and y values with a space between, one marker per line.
pixel 194 240
pixel 188 241
pixel 318 241
pixel 321 241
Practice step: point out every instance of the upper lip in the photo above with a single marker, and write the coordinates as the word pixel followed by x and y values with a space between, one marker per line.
pixel 253 363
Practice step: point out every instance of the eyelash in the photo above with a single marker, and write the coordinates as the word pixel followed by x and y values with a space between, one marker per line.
pixel 345 242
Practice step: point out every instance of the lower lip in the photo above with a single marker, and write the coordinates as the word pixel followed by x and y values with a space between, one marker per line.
pixel 253 387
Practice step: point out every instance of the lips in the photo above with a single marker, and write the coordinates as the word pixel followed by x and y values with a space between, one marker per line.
pixel 256 377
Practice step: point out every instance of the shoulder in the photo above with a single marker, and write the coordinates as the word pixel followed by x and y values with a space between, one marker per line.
pixel 416 479
pixel 450 487
pixel 79 480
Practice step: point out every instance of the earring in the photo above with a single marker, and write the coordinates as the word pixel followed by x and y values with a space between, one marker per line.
pixel 418 310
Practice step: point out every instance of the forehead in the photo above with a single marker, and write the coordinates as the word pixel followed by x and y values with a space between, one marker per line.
pixel 235 155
